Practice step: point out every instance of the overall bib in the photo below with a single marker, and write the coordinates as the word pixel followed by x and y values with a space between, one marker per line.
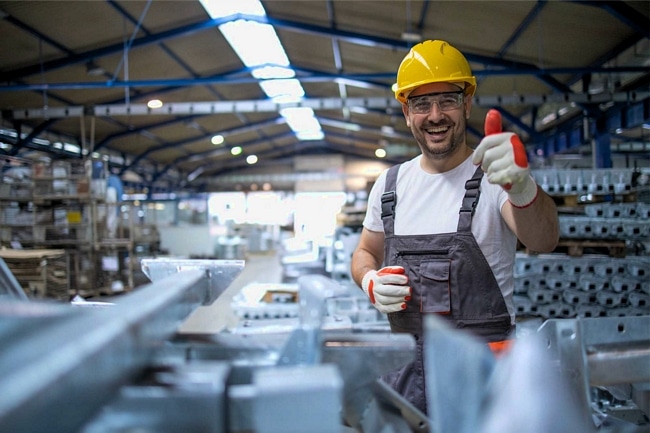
pixel 449 276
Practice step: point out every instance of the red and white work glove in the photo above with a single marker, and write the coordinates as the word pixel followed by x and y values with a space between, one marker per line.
pixel 387 288
pixel 503 159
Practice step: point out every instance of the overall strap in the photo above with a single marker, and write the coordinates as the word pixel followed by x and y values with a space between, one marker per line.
pixel 470 200
pixel 389 200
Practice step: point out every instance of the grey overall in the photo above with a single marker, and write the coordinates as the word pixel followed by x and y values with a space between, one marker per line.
pixel 450 276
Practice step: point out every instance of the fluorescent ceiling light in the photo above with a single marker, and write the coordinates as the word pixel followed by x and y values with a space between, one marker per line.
pixel 73 148
pixel 259 48
pixel 9 132
pixel 40 141
pixel 155 103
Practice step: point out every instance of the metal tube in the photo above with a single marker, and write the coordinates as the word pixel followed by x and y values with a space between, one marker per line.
pixel 618 365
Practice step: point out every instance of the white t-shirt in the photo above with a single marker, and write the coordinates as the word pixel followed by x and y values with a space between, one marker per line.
pixel 429 204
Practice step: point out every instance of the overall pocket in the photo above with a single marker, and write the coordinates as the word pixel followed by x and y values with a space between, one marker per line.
pixel 435 291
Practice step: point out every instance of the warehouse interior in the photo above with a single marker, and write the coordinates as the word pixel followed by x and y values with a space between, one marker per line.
pixel 183 183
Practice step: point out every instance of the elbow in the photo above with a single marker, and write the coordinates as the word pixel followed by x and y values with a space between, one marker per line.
pixel 547 246
pixel 546 243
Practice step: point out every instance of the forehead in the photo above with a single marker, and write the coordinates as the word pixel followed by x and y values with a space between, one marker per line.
pixel 435 88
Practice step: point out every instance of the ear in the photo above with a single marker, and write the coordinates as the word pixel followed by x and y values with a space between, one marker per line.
pixel 405 111
pixel 468 106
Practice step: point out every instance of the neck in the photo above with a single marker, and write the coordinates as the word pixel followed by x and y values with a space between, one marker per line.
pixel 434 165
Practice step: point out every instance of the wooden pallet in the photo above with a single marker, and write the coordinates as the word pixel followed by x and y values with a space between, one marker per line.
pixel 580 247
pixel 572 200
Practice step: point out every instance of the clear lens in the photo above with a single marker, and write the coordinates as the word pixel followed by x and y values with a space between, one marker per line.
pixel 446 102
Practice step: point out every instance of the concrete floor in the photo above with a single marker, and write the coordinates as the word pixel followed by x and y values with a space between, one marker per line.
pixel 264 268
pixel 259 268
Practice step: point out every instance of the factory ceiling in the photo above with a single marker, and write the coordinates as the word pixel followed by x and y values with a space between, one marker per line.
pixel 76 76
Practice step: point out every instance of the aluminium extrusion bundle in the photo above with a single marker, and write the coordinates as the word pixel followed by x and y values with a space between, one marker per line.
pixel 554 286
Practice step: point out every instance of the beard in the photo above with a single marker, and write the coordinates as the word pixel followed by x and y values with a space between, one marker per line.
pixel 446 147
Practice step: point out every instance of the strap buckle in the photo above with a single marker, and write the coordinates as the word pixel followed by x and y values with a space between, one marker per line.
pixel 388 204
pixel 470 201
pixel 472 194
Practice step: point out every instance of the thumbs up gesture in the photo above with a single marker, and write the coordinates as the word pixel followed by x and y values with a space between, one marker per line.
pixel 502 157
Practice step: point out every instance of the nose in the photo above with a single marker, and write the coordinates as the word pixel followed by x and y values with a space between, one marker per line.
pixel 435 112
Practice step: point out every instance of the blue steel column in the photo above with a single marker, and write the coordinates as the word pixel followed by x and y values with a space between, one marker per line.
pixel 601 144
pixel 602 151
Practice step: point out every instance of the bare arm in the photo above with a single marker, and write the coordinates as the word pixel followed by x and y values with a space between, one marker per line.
pixel 536 226
pixel 368 255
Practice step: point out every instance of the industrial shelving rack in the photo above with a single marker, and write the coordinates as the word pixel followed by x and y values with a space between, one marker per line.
pixel 62 205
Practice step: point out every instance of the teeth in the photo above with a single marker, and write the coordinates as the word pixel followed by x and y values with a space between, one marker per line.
pixel 437 130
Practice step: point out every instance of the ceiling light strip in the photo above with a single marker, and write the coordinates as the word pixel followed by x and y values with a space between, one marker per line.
pixel 49 113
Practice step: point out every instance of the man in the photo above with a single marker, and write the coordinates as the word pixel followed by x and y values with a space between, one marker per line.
pixel 441 230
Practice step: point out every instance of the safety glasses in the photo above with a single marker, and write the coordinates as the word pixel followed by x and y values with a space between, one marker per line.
pixel 446 101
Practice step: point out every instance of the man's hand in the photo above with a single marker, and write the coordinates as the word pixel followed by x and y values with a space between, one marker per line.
pixel 387 288
pixel 502 156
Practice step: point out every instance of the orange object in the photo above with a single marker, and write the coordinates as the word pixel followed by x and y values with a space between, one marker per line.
pixel 520 151
pixel 500 347
pixel 390 270
pixel 492 122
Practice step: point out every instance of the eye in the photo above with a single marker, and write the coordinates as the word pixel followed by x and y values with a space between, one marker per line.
pixel 421 105
pixel 448 101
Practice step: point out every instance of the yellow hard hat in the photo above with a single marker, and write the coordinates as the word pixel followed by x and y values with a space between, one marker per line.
pixel 433 62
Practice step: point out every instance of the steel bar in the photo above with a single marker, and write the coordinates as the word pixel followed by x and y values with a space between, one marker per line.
pixel 66 371
pixel 220 273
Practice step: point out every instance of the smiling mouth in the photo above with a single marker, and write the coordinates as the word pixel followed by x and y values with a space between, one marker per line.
pixel 437 130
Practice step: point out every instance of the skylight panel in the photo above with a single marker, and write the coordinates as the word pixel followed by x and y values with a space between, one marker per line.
pixel 283 91
pixel 224 8
pixel 255 43
pixel 259 48
pixel 265 72
pixel 303 122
